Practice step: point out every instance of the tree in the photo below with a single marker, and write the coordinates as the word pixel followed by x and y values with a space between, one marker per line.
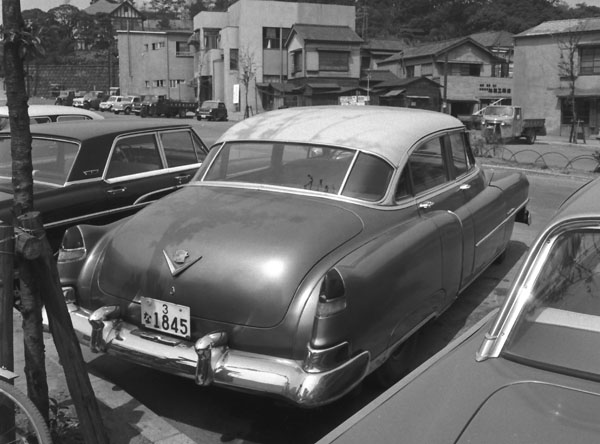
pixel 247 71
pixel 568 45
pixel 38 273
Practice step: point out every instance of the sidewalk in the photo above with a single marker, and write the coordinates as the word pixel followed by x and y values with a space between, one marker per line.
pixel 126 420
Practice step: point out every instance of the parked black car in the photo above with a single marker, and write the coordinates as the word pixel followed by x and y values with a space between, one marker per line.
pixel 100 171
pixel 212 110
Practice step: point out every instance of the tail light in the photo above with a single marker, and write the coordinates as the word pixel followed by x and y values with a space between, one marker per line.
pixel 332 295
pixel 72 247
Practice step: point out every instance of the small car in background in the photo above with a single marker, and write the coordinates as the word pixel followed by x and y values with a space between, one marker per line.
pixel 108 104
pixel 50 113
pixel 126 104
pixel 65 97
pixel 100 171
pixel 90 100
pixel 212 110
pixel 308 250
pixel 528 372
pixel 137 105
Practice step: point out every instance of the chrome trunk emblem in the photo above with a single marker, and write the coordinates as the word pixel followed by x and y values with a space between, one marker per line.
pixel 179 263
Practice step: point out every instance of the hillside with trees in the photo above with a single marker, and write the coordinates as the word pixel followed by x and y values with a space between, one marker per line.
pixel 66 30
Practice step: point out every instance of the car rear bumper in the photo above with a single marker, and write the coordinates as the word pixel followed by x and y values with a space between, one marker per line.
pixel 209 360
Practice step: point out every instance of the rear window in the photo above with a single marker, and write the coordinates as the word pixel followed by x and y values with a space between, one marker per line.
pixel 322 169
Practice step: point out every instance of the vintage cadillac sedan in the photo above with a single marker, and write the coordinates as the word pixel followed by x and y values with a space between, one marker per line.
pixel 309 248
pixel 528 373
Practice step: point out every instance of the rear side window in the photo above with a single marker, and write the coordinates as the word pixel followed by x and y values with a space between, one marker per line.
pixel 71 118
pixel 134 155
pixel 180 148
pixel 428 166
pixel 369 178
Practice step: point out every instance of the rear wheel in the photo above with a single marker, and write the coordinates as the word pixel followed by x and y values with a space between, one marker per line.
pixel 399 363
pixel 127 111
pixel 530 137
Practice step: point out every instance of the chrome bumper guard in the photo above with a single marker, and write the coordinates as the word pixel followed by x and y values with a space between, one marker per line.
pixel 209 360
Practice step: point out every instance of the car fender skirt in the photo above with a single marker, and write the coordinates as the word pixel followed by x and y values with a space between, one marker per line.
pixel 209 360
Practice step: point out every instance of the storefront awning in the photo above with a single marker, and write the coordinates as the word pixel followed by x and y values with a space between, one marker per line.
pixel 579 92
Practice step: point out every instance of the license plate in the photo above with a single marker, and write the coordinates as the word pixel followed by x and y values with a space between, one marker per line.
pixel 166 317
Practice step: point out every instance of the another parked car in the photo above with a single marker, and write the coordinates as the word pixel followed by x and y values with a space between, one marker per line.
pixel 90 100
pixel 103 170
pixel 65 97
pixel 108 104
pixel 526 373
pixel 211 110
pixel 50 113
pixel 137 105
pixel 126 105
pixel 309 248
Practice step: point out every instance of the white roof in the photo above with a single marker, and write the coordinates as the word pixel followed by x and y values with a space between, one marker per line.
pixel 54 110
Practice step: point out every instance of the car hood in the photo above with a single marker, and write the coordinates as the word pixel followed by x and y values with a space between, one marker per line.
pixel 535 412
pixel 247 251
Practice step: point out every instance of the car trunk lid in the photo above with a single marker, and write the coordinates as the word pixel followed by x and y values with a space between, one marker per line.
pixel 231 255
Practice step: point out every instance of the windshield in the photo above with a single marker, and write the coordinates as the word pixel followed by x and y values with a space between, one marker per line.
pixel 559 328
pixel 52 159
pixel 500 111
pixel 323 169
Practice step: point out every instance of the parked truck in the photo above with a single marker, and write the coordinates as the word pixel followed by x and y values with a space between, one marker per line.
pixel 156 106
pixel 503 123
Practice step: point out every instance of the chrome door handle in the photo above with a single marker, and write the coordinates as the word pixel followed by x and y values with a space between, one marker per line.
pixel 183 178
pixel 118 190
pixel 426 204
pixel 464 186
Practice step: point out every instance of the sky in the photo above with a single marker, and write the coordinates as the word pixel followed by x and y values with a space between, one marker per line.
pixel 45 5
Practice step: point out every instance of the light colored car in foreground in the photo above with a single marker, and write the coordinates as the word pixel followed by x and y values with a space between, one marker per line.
pixel 50 113
pixel 310 247
pixel 528 373
pixel 108 103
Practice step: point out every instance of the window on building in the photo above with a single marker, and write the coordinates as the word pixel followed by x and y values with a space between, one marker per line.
pixel 427 69
pixel 334 61
pixel 234 55
pixel 297 61
pixel 274 38
pixel 174 83
pixel 582 108
pixel 182 49
pixel 158 45
pixel 365 62
pixel 147 83
pixel 158 83
pixel 211 38
pixel 410 71
pixel 589 61
pixel 464 69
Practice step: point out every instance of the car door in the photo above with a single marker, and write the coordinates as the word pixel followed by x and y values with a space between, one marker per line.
pixel 135 170
pixel 437 187
pixel 485 204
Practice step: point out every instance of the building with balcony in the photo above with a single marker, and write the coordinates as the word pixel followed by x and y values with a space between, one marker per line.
pixel 543 82
pixel 251 37
pixel 470 74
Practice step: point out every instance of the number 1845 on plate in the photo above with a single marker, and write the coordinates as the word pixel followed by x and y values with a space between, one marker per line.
pixel 166 317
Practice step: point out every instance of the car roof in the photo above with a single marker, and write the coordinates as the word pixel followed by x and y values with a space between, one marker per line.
pixel 53 110
pixel 583 204
pixel 83 129
pixel 387 131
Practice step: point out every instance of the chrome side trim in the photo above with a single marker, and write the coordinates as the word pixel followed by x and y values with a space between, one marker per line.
pixel 80 219
pixel 511 214
pixel 211 361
